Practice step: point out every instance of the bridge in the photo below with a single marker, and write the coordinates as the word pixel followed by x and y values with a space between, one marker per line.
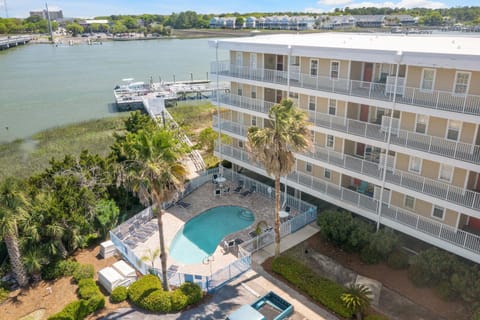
pixel 10 42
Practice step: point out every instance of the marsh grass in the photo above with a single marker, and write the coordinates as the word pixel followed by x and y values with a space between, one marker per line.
pixel 193 116
pixel 22 158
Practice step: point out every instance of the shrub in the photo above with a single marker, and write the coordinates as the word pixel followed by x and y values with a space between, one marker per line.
pixel 370 255
pixel 360 235
pixel 445 291
pixel 84 271
pixel 143 287
pixel 192 291
pixel 336 226
pixel 119 294
pixel 87 288
pixel 157 301
pixel 321 290
pixel 384 242
pixel 476 314
pixel 431 267
pixel 95 303
pixel 3 294
pixel 60 268
pixel 398 259
pixel 75 310
pixel 179 300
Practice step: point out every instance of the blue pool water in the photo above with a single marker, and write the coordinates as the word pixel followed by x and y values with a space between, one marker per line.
pixel 201 235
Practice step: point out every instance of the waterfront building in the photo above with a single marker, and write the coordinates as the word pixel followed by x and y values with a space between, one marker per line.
pixel 395 124
pixel 55 14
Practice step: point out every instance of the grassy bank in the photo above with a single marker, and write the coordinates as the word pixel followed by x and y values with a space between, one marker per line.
pixel 21 158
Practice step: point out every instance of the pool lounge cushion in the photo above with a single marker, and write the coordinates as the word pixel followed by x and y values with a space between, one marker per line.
pixel 246 312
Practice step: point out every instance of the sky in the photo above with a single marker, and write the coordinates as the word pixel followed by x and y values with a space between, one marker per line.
pixel 91 8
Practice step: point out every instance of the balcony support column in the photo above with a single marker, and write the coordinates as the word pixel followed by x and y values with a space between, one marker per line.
pixel 398 59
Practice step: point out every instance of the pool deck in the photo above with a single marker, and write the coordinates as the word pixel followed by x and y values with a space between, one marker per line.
pixel 200 200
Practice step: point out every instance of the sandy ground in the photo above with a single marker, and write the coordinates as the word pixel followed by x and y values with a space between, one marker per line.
pixel 63 291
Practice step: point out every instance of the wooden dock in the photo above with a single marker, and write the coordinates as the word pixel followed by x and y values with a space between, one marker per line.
pixel 10 42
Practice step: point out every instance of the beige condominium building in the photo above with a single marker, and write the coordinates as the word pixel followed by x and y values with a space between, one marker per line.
pixel 395 120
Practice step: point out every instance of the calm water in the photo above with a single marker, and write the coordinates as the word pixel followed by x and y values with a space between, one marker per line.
pixel 196 241
pixel 43 86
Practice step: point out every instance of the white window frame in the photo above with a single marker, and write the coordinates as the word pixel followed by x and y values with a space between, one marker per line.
pixel 312 102
pixel 443 212
pixel 327 173
pixel 308 167
pixel 239 58
pixel 459 130
pixel 327 144
pixel 410 164
pixel 423 79
pixel 338 69
pixel 332 106
pixel 407 197
pixel 426 122
pixel 454 89
pixel 442 166
pixel 253 121
pixel 314 74
pixel 253 61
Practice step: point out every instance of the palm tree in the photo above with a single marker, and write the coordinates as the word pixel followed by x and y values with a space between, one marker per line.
pixel 154 172
pixel 12 211
pixel 357 299
pixel 150 256
pixel 285 132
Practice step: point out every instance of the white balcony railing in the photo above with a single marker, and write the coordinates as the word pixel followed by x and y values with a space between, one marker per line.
pixel 436 99
pixel 368 205
pixel 412 140
pixel 437 189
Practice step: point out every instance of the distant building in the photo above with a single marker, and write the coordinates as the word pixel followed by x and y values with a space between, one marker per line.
pixel 271 22
pixel 251 23
pixel 369 21
pixel 335 22
pixel 89 22
pixel 56 15
pixel 400 20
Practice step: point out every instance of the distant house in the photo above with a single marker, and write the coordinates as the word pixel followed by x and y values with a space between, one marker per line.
pixel 369 21
pixel 401 20
pixel 335 22
pixel 251 23
pixel 88 22
pixel 55 14
pixel 230 22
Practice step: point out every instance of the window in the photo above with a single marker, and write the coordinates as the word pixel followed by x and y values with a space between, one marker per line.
pixel 462 80
pixel 295 60
pixel 254 121
pixel 330 141
pixel 438 212
pixel 421 126
pixel 240 144
pixel 312 135
pixel 308 167
pixel 327 173
pixel 446 172
pixel 314 67
pixel 311 103
pixel 415 164
pixel 293 95
pixel 409 202
pixel 332 107
pixel 334 69
pixel 254 93
pixel 428 79
pixel 240 91
pixel 453 131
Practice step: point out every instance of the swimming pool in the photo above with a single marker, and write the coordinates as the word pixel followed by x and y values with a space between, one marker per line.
pixel 201 235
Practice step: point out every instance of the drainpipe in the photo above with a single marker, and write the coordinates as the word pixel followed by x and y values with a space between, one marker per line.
pixel 220 169
pixel 288 96
pixel 398 59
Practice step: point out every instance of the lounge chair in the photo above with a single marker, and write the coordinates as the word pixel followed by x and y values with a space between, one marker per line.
pixel 214 179
pixel 217 192
pixel 288 209
pixel 248 192
pixel 183 204
pixel 226 190
pixel 239 186
pixel 228 245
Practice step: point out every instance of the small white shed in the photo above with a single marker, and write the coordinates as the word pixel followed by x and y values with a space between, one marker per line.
pixel 125 270
pixel 109 278
pixel 107 249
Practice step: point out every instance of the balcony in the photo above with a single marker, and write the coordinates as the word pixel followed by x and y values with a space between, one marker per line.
pixel 412 140
pixel 454 240
pixel 438 100
pixel 434 188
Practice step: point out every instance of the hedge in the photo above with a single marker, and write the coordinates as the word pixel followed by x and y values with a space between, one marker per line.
pixel 147 293
pixel 60 268
pixel 319 289
pixel 84 271
pixel 119 294
pixel 76 310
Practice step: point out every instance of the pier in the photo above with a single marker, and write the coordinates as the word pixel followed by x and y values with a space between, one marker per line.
pixel 154 97
pixel 10 42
